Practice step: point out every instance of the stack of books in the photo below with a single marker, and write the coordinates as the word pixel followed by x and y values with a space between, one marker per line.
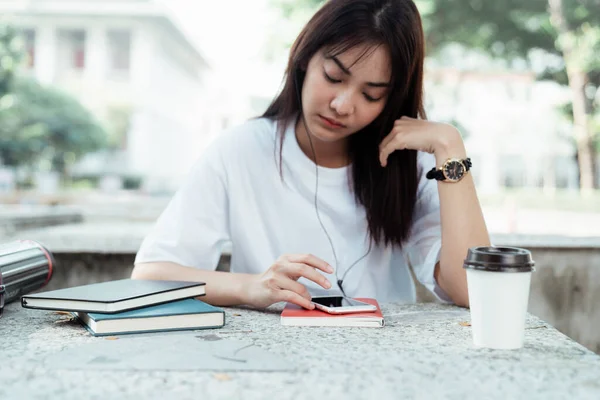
pixel 132 306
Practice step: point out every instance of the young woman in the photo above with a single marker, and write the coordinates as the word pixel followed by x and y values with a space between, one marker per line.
pixel 339 186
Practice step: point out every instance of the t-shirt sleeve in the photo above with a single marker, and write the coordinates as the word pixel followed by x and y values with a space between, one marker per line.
pixel 422 249
pixel 194 226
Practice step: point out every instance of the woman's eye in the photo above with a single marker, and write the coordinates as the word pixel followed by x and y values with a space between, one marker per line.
pixel 370 99
pixel 333 80
pixel 330 79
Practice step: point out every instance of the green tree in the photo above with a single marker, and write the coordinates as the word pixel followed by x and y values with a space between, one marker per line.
pixel 45 125
pixel 11 55
pixel 40 124
pixel 566 29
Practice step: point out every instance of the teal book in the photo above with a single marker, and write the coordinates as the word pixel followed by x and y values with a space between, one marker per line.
pixel 188 314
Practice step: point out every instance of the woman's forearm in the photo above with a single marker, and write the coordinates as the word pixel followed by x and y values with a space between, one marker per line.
pixel 462 220
pixel 222 288
pixel 463 226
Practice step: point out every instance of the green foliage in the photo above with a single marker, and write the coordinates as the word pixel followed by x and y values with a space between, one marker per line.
pixel 39 124
pixel 507 29
pixel 11 55
pixel 42 124
pixel 504 29
pixel 132 182
pixel 513 29
pixel 118 118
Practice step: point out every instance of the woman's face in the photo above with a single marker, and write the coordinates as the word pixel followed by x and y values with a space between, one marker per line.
pixel 340 95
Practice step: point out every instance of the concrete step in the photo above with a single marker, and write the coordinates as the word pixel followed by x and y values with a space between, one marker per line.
pixel 16 218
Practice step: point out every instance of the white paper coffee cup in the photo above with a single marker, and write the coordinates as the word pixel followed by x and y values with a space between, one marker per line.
pixel 498 280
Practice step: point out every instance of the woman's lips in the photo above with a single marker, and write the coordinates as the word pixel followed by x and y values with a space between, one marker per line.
pixel 331 122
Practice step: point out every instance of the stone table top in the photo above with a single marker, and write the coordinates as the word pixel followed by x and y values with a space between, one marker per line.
pixel 424 351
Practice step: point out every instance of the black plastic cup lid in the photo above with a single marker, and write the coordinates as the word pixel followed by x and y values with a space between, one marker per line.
pixel 499 259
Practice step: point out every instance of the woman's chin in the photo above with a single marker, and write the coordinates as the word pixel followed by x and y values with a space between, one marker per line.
pixel 324 134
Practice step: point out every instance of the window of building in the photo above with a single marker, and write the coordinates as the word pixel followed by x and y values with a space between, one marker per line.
pixel 119 50
pixel 513 170
pixel 72 49
pixel 29 39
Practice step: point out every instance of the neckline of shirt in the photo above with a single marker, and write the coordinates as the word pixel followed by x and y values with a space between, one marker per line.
pixel 295 157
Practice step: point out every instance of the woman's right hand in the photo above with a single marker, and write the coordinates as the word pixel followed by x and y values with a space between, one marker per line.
pixel 279 282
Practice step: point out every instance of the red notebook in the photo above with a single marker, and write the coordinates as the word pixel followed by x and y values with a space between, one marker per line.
pixel 293 315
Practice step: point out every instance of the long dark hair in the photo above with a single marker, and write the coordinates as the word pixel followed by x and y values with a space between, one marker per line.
pixel 388 194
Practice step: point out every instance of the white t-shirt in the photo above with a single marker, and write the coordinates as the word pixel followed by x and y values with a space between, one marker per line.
pixel 235 193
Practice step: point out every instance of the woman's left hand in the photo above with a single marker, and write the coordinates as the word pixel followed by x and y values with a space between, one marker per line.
pixel 442 140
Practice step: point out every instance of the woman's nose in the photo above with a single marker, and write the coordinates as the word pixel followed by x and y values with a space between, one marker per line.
pixel 342 103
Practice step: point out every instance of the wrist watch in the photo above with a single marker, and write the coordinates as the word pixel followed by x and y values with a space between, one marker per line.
pixel 453 170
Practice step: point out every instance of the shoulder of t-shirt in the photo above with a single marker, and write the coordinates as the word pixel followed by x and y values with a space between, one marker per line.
pixel 252 132
pixel 243 140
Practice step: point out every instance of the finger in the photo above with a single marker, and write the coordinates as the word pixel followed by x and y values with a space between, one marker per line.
pixel 389 149
pixel 295 298
pixel 386 140
pixel 404 119
pixel 297 270
pixel 293 286
pixel 311 260
pixel 383 156
pixel 384 147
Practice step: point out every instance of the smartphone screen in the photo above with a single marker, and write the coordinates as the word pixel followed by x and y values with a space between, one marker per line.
pixel 337 301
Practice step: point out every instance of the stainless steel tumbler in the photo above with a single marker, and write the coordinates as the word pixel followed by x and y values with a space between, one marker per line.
pixel 25 266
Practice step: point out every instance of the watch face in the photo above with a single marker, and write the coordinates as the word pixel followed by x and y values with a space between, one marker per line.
pixel 454 170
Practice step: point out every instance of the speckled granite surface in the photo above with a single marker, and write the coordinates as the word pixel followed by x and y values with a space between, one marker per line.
pixel 423 352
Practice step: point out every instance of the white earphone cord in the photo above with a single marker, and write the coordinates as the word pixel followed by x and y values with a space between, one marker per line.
pixel 339 281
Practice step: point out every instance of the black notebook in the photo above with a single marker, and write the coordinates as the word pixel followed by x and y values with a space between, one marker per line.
pixel 114 296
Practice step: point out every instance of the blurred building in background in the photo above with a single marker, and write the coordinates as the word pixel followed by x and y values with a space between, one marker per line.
pixel 513 131
pixel 132 65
